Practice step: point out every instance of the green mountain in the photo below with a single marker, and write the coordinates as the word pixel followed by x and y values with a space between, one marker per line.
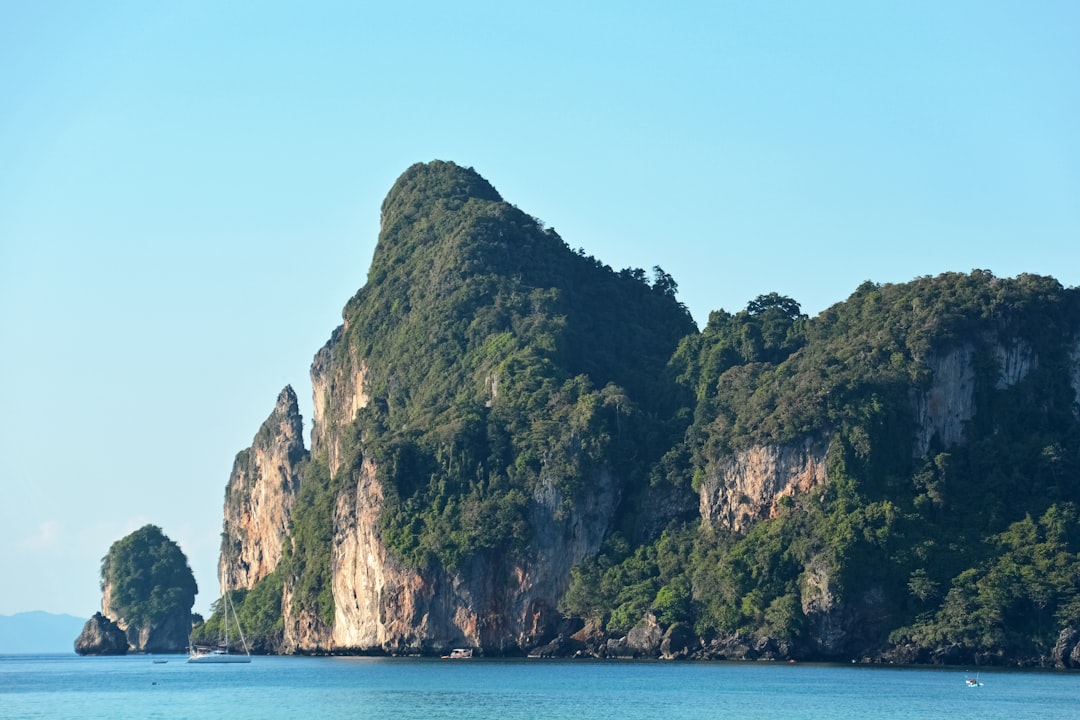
pixel 896 478
pixel 519 449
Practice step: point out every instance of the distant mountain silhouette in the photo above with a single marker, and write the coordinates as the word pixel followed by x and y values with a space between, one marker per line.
pixel 38 632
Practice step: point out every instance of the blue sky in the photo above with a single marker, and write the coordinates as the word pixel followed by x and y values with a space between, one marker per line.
pixel 189 193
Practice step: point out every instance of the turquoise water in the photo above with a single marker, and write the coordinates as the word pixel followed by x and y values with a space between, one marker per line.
pixel 288 687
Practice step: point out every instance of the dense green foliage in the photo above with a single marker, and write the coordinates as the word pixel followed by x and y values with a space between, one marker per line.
pixel 257 617
pixel 1017 600
pixel 306 555
pixel 148 577
pixel 944 543
pixel 501 365
pixel 505 370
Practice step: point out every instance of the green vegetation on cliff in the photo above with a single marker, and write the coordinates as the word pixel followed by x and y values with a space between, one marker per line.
pixel 506 374
pixel 501 364
pixel 148 578
pixel 306 556
pixel 942 547
pixel 257 614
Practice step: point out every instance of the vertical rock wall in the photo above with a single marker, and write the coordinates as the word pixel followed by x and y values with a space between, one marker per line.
pixel 168 636
pixel 948 404
pixel 337 381
pixel 492 603
pixel 748 486
pixel 261 495
pixel 1015 361
pixel 942 410
pixel 381 605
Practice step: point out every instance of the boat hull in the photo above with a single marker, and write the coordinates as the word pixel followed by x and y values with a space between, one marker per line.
pixel 218 658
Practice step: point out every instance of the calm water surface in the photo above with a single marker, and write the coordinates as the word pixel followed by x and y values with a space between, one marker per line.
pixel 288 687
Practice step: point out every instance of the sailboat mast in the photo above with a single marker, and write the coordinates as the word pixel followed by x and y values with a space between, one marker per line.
pixel 225 607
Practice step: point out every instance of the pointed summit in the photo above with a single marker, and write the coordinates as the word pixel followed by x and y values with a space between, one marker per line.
pixel 432 220
pixel 425 184
pixel 260 495
pixel 287 405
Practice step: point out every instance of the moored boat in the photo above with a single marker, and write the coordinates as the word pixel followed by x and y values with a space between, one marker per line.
pixel 216 655
pixel 459 654
pixel 220 655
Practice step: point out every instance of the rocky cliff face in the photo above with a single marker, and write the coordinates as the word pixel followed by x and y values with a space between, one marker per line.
pixel 170 635
pixel 459 278
pixel 436 399
pixel 749 486
pixel 942 410
pixel 383 606
pixel 101 636
pixel 1015 360
pixel 339 393
pixel 260 496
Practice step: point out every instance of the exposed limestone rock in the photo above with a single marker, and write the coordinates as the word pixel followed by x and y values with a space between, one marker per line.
pixel 645 637
pixel 821 607
pixel 1016 361
pixel 383 606
pixel 561 541
pixel 304 633
pixel 646 640
pixel 168 636
pixel 667 502
pixel 741 647
pixel 337 380
pixel 361 586
pixel 261 494
pixel 101 636
pixel 948 403
pixel 839 627
pixel 561 647
pixel 592 636
pixel 749 486
pixel 679 643
pixel 1067 646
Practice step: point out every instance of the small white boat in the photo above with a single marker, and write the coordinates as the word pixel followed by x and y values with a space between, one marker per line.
pixel 459 654
pixel 217 655
pixel 973 682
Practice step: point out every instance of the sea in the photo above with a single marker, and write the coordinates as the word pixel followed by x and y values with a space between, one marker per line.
pixel 68 686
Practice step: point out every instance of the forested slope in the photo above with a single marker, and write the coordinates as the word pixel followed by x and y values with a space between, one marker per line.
pixel 894 479
pixel 947 528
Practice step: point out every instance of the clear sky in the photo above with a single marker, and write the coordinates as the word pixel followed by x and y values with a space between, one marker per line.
pixel 190 191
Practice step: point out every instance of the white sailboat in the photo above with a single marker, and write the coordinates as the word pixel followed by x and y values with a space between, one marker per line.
pixel 221 654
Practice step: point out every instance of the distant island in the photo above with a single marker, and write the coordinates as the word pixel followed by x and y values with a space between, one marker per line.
pixel 148 591
pixel 38 633
pixel 520 450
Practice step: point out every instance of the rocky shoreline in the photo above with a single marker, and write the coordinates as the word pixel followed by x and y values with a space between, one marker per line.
pixel 101 636
pixel 647 641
